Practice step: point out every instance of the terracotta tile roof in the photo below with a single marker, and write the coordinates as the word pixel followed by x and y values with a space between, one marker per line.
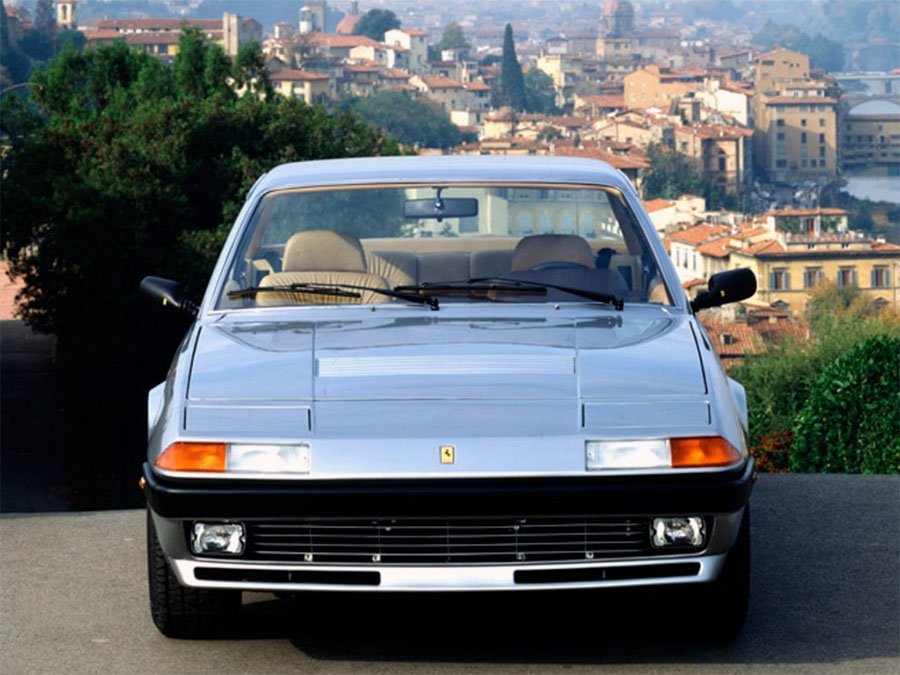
pixel 438 82
pixel 160 24
pixel 616 161
pixel 769 246
pixel 569 122
pixel 150 38
pixel 340 41
pixel 657 205
pixel 298 76
pixel 749 233
pixel 697 234
pixel 394 74
pixel 605 100
pixel 732 339
pixel 415 32
pixel 716 249
pixel 477 86
pixel 105 34
pixel 884 246
pixel 347 24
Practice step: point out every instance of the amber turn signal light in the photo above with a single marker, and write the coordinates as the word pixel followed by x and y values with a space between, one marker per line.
pixel 186 456
pixel 691 453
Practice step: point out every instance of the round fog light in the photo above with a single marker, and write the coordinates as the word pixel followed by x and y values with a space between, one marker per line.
pixel 687 531
pixel 220 538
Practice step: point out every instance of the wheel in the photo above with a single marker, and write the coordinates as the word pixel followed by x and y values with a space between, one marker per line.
pixel 726 599
pixel 179 611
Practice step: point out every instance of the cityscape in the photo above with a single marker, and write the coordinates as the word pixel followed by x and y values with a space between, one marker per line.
pixel 769 134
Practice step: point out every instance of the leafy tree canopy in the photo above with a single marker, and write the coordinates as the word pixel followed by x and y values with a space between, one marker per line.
pixel 823 53
pixel 454 38
pixel 411 122
pixel 136 168
pixel 672 174
pixel 540 96
pixel 375 23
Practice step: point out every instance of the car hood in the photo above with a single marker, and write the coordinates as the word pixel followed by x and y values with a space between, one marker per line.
pixel 448 358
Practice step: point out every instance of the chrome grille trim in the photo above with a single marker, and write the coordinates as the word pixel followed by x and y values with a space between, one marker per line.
pixel 448 541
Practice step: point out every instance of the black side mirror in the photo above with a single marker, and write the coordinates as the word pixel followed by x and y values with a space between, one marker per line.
pixel 169 293
pixel 725 287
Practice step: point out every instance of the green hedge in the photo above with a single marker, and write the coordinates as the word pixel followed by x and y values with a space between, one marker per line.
pixel 851 420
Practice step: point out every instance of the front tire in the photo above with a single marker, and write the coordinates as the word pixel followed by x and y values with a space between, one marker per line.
pixel 727 599
pixel 179 611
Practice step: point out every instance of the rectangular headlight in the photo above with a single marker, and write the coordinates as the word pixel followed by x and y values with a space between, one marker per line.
pixel 637 454
pixel 264 458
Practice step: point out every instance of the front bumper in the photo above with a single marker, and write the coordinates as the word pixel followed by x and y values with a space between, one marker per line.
pixel 671 493
pixel 719 496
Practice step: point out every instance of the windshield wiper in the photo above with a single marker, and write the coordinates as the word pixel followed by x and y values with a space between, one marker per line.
pixel 470 288
pixel 339 290
pixel 610 298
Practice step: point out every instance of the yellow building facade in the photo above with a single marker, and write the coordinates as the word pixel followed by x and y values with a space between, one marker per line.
pixel 788 273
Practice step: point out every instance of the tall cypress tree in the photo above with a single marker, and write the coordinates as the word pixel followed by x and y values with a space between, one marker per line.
pixel 512 81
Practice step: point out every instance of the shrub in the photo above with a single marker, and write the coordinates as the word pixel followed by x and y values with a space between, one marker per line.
pixel 851 420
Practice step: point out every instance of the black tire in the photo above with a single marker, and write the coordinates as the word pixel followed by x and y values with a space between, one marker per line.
pixel 179 611
pixel 727 599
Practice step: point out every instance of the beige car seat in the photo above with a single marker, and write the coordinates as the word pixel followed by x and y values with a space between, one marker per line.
pixel 322 257
pixel 540 249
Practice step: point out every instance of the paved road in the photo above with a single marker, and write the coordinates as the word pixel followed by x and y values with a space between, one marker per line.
pixel 825 599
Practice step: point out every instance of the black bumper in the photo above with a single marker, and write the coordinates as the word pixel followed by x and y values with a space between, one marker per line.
pixel 718 492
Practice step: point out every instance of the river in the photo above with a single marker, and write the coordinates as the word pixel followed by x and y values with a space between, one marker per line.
pixel 876 184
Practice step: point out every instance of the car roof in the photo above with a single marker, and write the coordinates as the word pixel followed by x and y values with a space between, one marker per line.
pixel 440 169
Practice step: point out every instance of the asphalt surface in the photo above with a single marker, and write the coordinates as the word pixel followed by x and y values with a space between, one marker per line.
pixel 825 598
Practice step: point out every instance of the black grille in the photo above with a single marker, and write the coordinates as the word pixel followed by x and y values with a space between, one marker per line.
pixel 456 541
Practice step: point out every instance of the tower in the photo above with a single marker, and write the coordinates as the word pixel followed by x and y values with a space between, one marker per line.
pixel 65 14
pixel 319 11
pixel 617 20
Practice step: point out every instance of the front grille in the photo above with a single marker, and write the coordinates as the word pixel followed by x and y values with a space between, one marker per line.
pixel 455 541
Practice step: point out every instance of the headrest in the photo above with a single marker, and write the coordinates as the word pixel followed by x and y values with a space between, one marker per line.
pixel 323 250
pixel 543 248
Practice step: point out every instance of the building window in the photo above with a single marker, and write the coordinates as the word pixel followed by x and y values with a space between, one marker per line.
pixel 821 151
pixel 803 123
pixel 813 163
pixel 781 149
pixel 804 108
pixel 821 122
pixel 881 277
pixel 781 163
pixel 846 276
pixel 821 138
pixel 812 277
pixel 779 123
pixel 803 137
pixel 779 280
pixel 780 136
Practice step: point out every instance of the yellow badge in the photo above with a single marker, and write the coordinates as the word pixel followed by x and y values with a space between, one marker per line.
pixel 448 454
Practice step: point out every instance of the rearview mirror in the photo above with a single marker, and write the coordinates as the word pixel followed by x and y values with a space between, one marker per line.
pixel 725 287
pixel 441 207
pixel 169 293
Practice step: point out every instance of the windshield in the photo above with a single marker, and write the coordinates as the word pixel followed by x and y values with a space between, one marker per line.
pixel 374 245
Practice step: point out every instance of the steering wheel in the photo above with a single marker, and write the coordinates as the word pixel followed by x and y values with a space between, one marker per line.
pixel 558 265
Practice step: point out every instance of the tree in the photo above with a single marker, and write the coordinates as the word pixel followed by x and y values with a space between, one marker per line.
pixel 851 419
pixel 375 23
pixel 454 38
pixel 779 381
pixel 672 174
pixel 540 96
pixel 823 53
pixel 411 122
pixel 45 18
pixel 512 81
pixel 250 71
pixel 138 168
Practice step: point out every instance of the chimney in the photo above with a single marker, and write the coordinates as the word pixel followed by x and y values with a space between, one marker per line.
pixel 354 8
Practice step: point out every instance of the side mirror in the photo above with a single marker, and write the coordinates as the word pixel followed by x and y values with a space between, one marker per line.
pixel 726 287
pixel 168 293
